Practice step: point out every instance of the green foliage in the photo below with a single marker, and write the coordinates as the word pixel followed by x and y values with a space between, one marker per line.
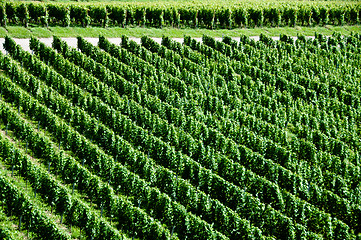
pixel 179 14
pixel 3 16
pixel 21 205
pixel 213 139
pixel 38 13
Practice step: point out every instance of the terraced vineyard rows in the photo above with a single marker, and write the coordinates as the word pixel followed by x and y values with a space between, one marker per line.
pixel 212 140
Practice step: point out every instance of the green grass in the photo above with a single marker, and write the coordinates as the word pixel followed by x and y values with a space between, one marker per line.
pixel 21 32
pixel 170 1
pixel 18 32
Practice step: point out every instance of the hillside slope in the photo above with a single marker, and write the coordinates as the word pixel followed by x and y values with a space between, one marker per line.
pixel 212 140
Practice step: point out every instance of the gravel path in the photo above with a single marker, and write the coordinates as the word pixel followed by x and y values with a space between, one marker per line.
pixel 24 42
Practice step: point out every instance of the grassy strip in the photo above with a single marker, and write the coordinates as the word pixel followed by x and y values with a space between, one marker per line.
pixel 230 2
pixel 113 32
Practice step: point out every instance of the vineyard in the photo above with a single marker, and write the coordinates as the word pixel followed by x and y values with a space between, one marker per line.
pixel 201 140
pixel 209 14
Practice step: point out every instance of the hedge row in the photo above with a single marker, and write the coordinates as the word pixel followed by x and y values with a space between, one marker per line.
pixel 179 15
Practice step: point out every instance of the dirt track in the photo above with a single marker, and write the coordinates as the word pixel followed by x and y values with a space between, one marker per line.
pixel 73 41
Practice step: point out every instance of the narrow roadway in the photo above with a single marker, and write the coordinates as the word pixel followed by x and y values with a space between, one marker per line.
pixel 24 42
